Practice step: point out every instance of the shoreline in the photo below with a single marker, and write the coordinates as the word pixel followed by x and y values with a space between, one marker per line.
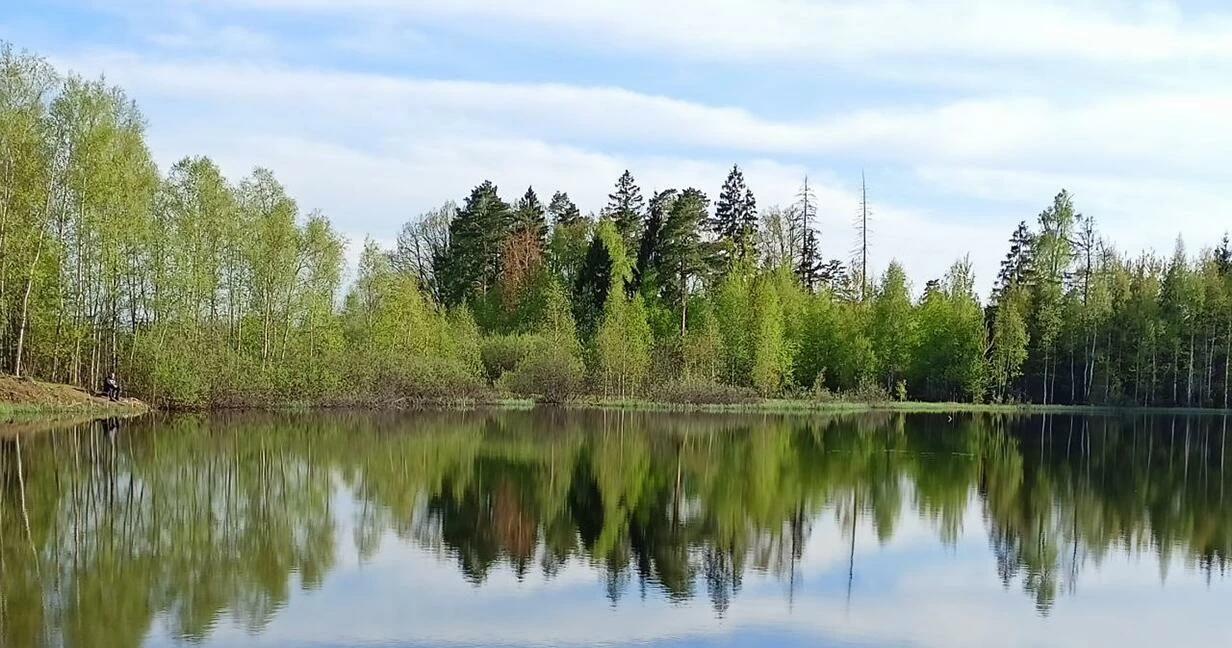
pixel 762 406
pixel 23 399
pixel 790 406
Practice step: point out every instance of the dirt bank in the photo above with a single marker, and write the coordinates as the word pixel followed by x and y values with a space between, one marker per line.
pixel 24 397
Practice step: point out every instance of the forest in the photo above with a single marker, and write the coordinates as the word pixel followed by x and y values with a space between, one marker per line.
pixel 208 291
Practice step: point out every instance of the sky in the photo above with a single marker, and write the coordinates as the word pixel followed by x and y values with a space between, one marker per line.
pixel 964 116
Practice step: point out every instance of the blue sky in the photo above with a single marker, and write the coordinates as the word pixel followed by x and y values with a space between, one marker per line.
pixel 966 116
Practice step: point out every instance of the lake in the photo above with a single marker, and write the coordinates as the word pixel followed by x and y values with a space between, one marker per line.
pixel 572 528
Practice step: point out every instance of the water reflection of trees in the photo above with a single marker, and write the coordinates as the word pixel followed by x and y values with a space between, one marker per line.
pixel 103 532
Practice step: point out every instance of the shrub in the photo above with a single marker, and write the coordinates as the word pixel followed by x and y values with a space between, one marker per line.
pixel 869 391
pixel 502 353
pixel 425 378
pixel 699 392
pixel 547 372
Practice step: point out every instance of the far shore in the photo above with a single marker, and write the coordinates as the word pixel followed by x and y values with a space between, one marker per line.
pixel 24 401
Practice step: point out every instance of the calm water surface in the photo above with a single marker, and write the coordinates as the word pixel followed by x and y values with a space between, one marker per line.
pixel 557 528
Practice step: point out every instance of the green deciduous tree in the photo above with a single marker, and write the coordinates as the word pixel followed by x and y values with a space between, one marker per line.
pixel 893 326
pixel 949 360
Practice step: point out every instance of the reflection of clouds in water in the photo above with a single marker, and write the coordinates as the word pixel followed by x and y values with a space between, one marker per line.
pixel 490 531
pixel 913 590
pixel 962 608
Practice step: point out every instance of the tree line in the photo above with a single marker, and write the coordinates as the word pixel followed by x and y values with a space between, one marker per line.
pixel 202 290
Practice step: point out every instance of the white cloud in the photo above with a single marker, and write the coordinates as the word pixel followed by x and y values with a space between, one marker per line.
pixel 1137 214
pixel 1178 133
pixel 233 39
pixel 375 149
pixel 372 194
pixel 797 30
pixel 921 596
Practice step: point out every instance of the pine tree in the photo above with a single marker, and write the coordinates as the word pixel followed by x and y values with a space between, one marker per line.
pixel 606 270
pixel 1223 257
pixel 1014 272
pixel 680 257
pixel 529 216
pixel 1017 263
pixel 832 274
pixel 808 257
pixel 809 267
pixel 735 215
pixel 476 236
pixel 624 207
pixel 862 234
pixel 649 250
pixel 563 211
pixel 590 290
pixel 747 241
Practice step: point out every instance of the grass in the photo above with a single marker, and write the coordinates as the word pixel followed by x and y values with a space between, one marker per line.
pixel 408 404
pixel 24 399
pixel 790 406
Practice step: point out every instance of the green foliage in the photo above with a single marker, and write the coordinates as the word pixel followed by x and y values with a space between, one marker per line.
pixel 530 216
pixel 733 316
pixel 624 209
pixel 204 290
pixel 527 492
pixel 501 354
pixel 772 353
pixel 703 392
pixel 547 372
pixel 622 346
pixel 1009 342
pixel 893 325
pixel 949 361
pixel 702 347
pixel 594 281
pixel 548 364
pixel 735 217
pixel 567 248
pixel 472 263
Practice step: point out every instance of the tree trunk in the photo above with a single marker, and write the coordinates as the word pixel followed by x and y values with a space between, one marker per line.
pixel 1137 374
pixel 1044 384
pixel 1107 372
pixel 1176 370
pixel 1189 379
pixel 1212 337
pixel 1227 362
pixel 1052 387
pixel 1073 380
pixel 684 301
pixel 1150 388
pixel 25 307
